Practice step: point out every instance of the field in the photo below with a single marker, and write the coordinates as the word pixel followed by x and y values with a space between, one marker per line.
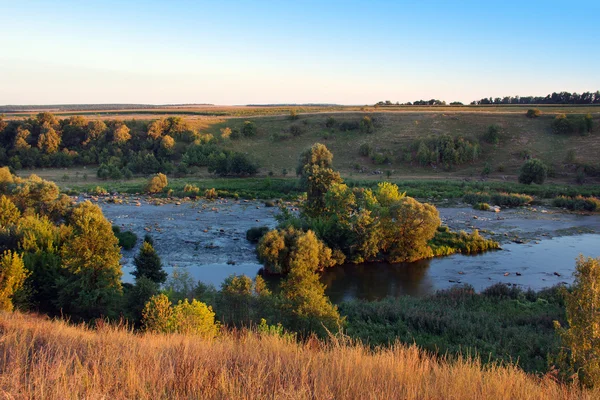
pixel 396 129
pixel 47 359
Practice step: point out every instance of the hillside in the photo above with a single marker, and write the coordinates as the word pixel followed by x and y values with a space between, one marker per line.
pixel 394 133
pixel 47 359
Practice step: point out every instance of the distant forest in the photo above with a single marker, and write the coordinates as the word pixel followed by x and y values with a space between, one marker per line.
pixel 554 98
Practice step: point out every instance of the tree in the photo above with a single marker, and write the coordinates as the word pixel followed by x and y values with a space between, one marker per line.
pixel 492 135
pixel 147 264
pixel 157 128
pixel 12 278
pixel 195 318
pixel 278 248
pixel 533 113
pixel 581 339
pixel 95 132
pixel 307 307
pixel 366 124
pixel 121 133
pixel 49 140
pixel 408 227
pixel 317 177
pixel 91 255
pixel 9 213
pixel 22 139
pixel 157 183
pixel 533 171
pixel 157 316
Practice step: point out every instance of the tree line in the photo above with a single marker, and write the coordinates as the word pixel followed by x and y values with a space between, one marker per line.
pixel 121 148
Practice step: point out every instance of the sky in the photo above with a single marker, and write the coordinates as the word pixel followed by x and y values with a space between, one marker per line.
pixel 266 52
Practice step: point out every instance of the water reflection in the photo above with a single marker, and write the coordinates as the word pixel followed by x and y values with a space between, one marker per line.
pixel 372 281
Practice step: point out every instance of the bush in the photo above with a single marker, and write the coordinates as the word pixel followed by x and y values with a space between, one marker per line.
pixel 492 135
pixel 498 199
pixel 157 183
pixel 330 122
pixel 366 125
pixel 533 171
pixel 294 115
pixel 296 130
pixel 482 206
pixel 349 125
pixel 578 203
pixel 248 129
pixel 533 113
pixel 211 194
pixel 127 239
pixel 365 150
pixel 254 234
pixel 191 190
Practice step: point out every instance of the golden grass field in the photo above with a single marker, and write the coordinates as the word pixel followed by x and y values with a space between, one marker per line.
pixel 43 359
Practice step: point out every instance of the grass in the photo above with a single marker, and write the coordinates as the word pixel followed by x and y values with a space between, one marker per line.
pixel 500 324
pixel 47 359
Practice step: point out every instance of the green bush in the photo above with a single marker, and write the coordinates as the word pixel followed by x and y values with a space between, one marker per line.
pixel 482 206
pixel 254 234
pixel 578 203
pixel 533 171
pixel 127 239
pixel 492 135
pixel 533 113
pixel 248 129
pixel 365 150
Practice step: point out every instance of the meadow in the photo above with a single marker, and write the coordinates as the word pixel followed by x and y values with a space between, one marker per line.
pixel 42 358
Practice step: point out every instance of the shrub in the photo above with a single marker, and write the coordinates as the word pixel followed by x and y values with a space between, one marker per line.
pixel 533 113
pixel 191 190
pixel 581 337
pixel 211 194
pixel 492 135
pixel 366 124
pixel 482 206
pixel 254 234
pixel 533 171
pixel 226 133
pixel 127 239
pixel 330 122
pixel 296 130
pixel 578 203
pixel 294 115
pixel 157 183
pixel 99 191
pixel 248 129
pixel 365 150
pixel 349 125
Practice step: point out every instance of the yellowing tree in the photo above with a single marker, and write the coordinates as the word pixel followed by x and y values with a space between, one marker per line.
pixel 49 139
pixel 581 339
pixel 157 316
pixel 9 213
pixel 157 183
pixel 121 133
pixel 195 318
pixel 12 277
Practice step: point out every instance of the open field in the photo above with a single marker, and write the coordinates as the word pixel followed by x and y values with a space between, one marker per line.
pixel 52 360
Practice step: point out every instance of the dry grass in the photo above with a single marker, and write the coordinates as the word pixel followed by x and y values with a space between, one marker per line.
pixel 42 359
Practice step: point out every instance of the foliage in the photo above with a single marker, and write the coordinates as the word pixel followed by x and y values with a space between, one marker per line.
pixel 12 278
pixel 500 324
pixel 255 233
pixel 305 305
pixel 499 199
pixel 577 203
pixel 482 206
pixel 533 113
pixel 446 242
pixel 366 124
pixel 278 250
pixel 127 239
pixel 157 183
pixel 91 255
pixel 249 129
pixel 533 171
pixel 147 264
pixel 446 150
pixel 492 135
pixel 581 338
pixel 188 318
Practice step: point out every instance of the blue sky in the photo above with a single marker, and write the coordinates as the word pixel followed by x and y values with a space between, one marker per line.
pixel 347 52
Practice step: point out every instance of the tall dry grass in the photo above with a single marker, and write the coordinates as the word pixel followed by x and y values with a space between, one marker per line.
pixel 42 359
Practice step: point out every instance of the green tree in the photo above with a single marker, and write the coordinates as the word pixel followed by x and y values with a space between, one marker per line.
pixel 533 171
pixel 249 129
pixel 581 339
pixel 138 295
pixel 147 264
pixel 91 255
pixel 12 278
pixel 157 316
pixel 307 307
pixel 317 177
pixel 408 227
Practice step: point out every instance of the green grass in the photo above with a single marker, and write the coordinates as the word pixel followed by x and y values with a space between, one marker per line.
pixel 502 323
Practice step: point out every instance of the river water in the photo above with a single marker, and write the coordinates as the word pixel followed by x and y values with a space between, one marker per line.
pixel 207 239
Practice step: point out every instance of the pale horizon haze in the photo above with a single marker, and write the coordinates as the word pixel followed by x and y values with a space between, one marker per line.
pixel 268 52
